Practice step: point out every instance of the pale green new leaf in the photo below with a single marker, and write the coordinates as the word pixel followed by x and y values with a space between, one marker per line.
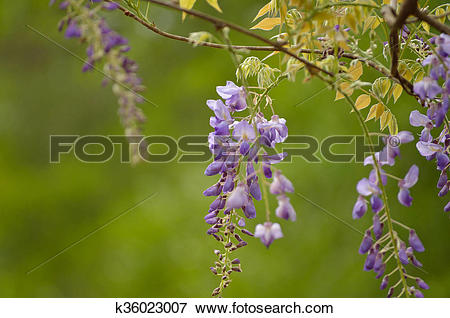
pixel 186 4
pixel 267 24
pixel 214 4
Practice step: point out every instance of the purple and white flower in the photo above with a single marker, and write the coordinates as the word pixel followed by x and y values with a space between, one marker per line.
pixel 268 232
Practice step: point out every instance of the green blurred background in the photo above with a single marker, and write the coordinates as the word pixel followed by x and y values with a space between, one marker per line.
pixel 160 249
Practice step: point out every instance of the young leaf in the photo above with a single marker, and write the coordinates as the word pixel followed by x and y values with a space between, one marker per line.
pixel 263 11
pixel 379 110
pixel 350 20
pixel 393 127
pixel 214 4
pixel 385 85
pixel 267 24
pixel 385 119
pixel 369 23
pixel 362 101
pixel 345 87
pixel 440 12
pixel 356 70
pixel 186 4
pixel 420 76
pixel 372 112
pixel 397 91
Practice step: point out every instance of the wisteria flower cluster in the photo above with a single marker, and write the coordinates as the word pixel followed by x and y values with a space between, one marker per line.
pixel 106 47
pixel 435 98
pixel 323 40
pixel 380 244
pixel 244 165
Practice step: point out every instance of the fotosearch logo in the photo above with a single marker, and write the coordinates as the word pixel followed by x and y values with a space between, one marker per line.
pixel 197 149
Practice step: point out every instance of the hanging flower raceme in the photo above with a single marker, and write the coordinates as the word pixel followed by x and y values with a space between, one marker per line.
pixel 436 86
pixel 244 166
pixel 434 91
pixel 107 47
pixel 383 247
pixel 434 148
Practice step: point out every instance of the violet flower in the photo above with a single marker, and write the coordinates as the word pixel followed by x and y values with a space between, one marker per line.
pixel 235 96
pixel 285 209
pixel 268 232
pixel 405 184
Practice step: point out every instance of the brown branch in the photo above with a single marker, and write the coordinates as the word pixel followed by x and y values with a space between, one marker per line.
pixel 414 20
pixel 432 21
pixel 151 26
pixel 396 23
pixel 220 24
pixel 157 30
pixel 380 68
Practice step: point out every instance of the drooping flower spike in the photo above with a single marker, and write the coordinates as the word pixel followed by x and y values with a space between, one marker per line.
pixel 244 167
pixel 106 49
pixel 377 243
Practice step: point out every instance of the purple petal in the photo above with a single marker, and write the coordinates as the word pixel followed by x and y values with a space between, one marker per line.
pixel 376 203
pixel 384 282
pixel 404 197
pixel 415 242
pixel 213 190
pixel 442 160
pixel 405 136
pixel 214 168
pixel 228 186
pixel 402 256
pixel 447 207
pixel 442 179
pixel 285 209
pixel 238 198
pixel 365 187
pixel 444 190
pixel 417 119
pixel 418 294
pixel 360 208
pixel 255 190
pixel 110 6
pixel 411 177
pixel 268 232
pixel 377 227
pixel 72 31
pixel 249 210
pixel 422 284
pixel 428 148
pixel 366 243
pixel 370 260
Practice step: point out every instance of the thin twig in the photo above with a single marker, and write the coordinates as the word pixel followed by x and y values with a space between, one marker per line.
pixel 151 26
pixel 432 21
pixel 407 8
pixel 220 24
pixel 414 20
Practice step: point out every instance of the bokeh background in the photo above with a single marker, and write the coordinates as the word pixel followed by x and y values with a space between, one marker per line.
pixel 160 249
